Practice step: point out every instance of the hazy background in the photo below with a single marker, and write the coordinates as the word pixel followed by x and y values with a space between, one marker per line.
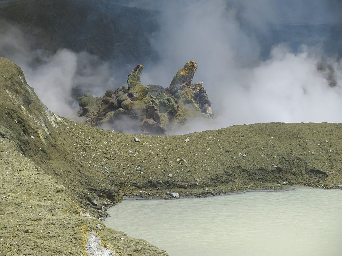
pixel 260 60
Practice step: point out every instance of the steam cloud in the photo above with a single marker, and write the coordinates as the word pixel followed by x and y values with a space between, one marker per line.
pixel 251 75
pixel 246 85
pixel 55 76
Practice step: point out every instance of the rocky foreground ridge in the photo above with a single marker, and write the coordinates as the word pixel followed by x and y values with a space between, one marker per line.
pixel 58 177
pixel 154 109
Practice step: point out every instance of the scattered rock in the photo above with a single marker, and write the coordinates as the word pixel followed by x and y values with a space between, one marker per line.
pixel 86 215
pixel 173 194
pixel 94 202
pixel 93 246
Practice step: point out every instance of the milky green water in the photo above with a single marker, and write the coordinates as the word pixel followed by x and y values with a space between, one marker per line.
pixel 300 222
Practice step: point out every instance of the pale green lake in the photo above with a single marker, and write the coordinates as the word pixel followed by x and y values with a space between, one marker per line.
pixel 299 222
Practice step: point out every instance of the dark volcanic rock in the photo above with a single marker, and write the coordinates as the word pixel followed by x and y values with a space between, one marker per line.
pixel 156 109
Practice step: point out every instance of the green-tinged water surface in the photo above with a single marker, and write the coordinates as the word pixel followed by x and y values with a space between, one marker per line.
pixel 302 221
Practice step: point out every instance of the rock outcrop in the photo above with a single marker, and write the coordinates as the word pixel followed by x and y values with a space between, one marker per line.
pixel 154 108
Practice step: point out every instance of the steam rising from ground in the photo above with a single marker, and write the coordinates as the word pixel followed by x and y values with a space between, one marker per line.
pixel 244 86
pixel 55 76
pixel 227 38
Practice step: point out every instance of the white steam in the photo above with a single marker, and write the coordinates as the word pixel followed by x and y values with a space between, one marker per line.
pixel 287 87
pixel 55 76
pixel 53 81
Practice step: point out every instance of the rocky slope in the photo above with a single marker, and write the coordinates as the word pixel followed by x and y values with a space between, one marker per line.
pixel 56 173
pixel 41 213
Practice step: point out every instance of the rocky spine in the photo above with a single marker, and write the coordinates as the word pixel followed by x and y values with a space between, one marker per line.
pixel 156 109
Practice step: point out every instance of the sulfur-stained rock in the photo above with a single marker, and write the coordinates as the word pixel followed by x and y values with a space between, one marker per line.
pixel 183 77
pixel 134 77
pixel 84 100
pixel 156 108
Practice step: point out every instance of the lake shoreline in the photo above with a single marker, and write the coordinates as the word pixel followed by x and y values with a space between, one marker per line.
pixel 280 189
